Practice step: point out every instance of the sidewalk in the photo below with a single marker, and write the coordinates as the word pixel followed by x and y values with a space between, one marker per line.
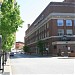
pixel 7 68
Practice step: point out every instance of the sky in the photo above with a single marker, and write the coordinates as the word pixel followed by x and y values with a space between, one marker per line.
pixel 29 11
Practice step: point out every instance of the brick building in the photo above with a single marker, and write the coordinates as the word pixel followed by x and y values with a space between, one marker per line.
pixel 55 26
pixel 19 45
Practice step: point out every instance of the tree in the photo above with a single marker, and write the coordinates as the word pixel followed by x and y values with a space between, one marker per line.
pixel 40 45
pixel 26 49
pixel 11 19
pixel 10 22
pixel 9 42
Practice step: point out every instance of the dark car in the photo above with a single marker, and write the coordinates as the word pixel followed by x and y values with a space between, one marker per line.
pixel 11 53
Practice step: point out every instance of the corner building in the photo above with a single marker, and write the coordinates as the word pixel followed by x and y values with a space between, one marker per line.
pixel 56 27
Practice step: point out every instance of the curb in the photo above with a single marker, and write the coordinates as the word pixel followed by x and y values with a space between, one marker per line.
pixel 7 67
pixel 10 66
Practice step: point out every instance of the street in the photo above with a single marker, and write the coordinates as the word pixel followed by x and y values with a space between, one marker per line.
pixel 26 64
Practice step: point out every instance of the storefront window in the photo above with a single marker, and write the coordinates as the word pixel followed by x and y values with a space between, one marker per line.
pixel 69 32
pixel 60 32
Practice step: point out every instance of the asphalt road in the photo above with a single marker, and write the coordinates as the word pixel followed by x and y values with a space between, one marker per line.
pixel 22 64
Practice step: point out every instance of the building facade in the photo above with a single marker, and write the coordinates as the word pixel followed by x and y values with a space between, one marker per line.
pixel 19 45
pixel 56 27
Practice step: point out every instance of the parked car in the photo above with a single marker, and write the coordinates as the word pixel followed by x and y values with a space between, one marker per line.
pixel 22 52
pixel 11 53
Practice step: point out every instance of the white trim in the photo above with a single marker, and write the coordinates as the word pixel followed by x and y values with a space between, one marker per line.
pixel 52 16
pixel 63 36
pixel 63 42
pixel 51 37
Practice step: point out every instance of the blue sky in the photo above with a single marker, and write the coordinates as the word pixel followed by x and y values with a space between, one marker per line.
pixel 30 10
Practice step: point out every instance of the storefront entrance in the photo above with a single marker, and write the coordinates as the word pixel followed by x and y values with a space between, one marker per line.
pixel 64 48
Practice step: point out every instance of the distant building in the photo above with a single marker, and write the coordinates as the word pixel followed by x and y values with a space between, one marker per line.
pixel 19 45
pixel 56 27
pixel 0 4
pixel 1 1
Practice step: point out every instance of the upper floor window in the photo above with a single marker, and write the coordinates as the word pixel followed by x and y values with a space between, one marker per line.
pixel 68 22
pixel 69 32
pixel 60 23
pixel 48 25
pixel 60 32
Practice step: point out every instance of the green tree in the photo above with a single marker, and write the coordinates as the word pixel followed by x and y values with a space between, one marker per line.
pixel 40 45
pixel 11 19
pixel 26 49
pixel 9 42
pixel 10 22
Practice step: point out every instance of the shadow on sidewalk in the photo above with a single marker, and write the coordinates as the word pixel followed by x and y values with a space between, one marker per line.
pixel 6 73
pixel 16 56
pixel 67 58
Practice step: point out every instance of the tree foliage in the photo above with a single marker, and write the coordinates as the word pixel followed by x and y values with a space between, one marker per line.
pixel 26 49
pixel 11 19
pixel 10 22
pixel 40 45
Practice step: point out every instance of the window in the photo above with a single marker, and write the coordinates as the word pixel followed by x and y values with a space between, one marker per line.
pixel 47 25
pixel 60 23
pixel 55 47
pixel 69 32
pixel 60 32
pixel 47 33
pixel 68 22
